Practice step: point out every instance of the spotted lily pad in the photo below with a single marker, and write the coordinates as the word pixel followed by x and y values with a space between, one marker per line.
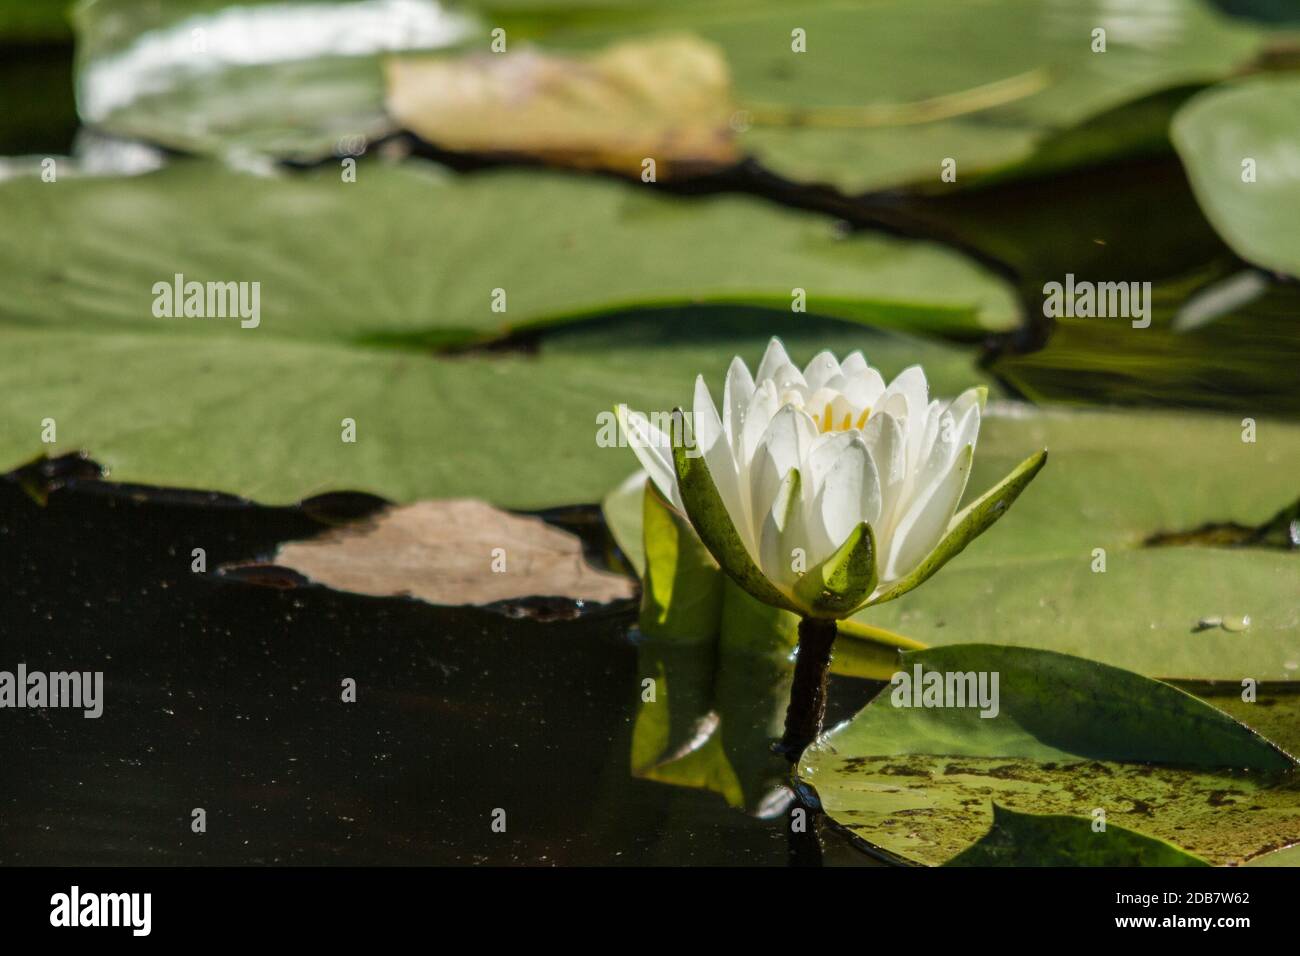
pixel 916 776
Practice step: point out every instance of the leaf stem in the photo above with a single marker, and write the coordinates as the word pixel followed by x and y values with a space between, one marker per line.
pixel 807 708
pixel 942 107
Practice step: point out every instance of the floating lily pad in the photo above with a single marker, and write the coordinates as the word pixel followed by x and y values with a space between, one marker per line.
pixel 1116 478
pixel 262 416
pixel 1238 144
pixel 1290 856
pixel 409 256
pixel 294 80
pixel 1069 737
pixel 857 117
pixel 982 83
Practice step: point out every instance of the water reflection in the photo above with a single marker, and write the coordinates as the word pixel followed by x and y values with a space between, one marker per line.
pixel 114 74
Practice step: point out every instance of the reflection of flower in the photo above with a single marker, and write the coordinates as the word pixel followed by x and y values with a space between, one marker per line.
pixel 824 490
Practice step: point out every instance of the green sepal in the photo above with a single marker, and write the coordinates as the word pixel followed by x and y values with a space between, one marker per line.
pixel 709 517
pixel 969 524
pixel 841 583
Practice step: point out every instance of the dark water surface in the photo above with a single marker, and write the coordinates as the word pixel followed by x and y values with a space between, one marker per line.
pixel 225 693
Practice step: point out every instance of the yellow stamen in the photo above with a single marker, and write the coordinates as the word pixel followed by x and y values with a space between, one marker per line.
pixel 862 419
pixel 826 418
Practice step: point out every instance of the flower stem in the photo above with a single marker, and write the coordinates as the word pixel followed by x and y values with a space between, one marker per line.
pixel 807 710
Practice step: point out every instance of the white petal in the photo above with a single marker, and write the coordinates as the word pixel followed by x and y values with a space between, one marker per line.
pixel 722 464
pixel 654 450
pixel 839 501
pixel 763 405
pixel 926 520
pixel 775 560
pixel 773 359
pixel 825 448
pixel 883 435
pixel 853 364
pixel 821 370
pixel 912 386
pixel 782 447
pixel 737 390
pixel 788 378
pixel 963 402
pixel 950 436
pixel 864 389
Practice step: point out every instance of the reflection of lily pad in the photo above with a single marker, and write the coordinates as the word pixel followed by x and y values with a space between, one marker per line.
pixel 296 80
pixel 1025 839
pixel 1070 737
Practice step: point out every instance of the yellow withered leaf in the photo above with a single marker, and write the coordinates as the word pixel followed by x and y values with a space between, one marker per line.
pixel 666 99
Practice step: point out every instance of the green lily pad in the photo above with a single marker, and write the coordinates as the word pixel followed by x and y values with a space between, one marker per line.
pixel 1069 737
pixel 261 415
pixel 1115 479
pixel 1238 144
pixel 983 83
pixel 1270 709
pixel 293 80
pixel 1290 856
pixel 1027 839
pixel 409 256
pixel 834 114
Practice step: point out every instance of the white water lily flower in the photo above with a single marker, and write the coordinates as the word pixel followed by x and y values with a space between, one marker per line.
pixel 825 490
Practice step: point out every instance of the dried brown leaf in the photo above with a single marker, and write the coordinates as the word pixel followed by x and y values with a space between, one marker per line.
pixel 666 98
pixel 444 552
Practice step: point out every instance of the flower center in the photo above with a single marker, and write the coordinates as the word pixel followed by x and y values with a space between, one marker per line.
pixel 828 422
